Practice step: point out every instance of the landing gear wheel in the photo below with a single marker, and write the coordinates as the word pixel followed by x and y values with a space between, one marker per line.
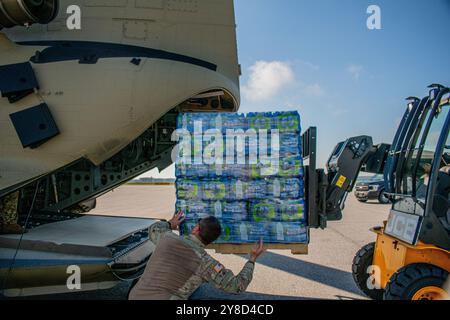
pixel 417 282
pixel 382 198
pixel 362 261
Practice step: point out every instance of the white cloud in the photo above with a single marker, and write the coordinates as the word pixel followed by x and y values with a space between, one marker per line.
pixel 266 80
pixel 308 64
pixel 314 90
pixel 355 71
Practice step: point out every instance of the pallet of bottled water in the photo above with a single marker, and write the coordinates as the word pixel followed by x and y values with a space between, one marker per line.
pixel 246 170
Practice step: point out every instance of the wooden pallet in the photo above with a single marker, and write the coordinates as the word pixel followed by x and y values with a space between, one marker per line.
pixel 296 248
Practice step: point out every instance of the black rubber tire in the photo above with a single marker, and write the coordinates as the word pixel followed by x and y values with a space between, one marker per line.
pixel 364 259
pixel 410 279
pixel 382 199
pixel 363 201
pixel 133 284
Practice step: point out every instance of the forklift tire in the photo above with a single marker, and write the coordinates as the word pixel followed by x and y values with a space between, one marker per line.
pixel 362 261
pixel 417 282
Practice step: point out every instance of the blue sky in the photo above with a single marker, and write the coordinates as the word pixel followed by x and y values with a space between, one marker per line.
pixel 319 57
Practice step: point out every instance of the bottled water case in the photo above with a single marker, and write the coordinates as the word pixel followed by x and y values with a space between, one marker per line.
pixel 246 170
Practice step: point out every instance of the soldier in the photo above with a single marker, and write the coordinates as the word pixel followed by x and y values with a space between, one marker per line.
pixel 9 215
pixel 179 265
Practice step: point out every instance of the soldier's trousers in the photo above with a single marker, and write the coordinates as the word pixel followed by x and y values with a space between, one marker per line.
pixel 8 208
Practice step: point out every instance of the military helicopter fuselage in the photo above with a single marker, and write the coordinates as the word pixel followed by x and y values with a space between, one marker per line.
pixel 85 95
pixel 84 109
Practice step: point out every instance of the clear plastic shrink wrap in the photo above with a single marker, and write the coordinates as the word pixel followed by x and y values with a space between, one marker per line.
pixel 257 190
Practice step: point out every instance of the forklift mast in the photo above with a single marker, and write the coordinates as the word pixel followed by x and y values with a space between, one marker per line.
pixel 327 191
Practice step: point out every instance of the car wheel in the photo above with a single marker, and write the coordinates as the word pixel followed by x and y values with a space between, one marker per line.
pixel 382 198
pixel 362 261
pixel 417 282
pixel 133 284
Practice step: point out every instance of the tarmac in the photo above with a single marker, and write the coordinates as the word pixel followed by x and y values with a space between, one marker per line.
pixel 325 273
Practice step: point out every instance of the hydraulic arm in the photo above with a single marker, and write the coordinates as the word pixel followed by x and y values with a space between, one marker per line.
pixel 328 190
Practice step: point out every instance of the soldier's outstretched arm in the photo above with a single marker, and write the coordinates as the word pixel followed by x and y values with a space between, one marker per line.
pixel 162 227
pixel 216 274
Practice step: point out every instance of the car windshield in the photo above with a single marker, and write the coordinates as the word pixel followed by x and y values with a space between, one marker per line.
pixel 374 178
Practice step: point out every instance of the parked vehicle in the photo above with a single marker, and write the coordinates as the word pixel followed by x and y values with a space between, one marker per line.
pixel 371 188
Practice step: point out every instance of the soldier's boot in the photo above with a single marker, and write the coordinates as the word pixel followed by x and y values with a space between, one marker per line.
pixel 11 228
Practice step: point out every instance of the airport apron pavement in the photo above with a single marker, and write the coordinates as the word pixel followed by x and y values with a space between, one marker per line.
pixel 325 273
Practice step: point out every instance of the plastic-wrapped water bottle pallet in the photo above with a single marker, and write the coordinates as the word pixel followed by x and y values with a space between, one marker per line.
pixel 228 248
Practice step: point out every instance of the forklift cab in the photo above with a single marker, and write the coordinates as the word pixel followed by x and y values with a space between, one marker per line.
pixel 411 259
pixel 417 173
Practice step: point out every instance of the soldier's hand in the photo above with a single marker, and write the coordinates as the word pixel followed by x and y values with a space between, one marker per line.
pixel 257 250
pixel 177 220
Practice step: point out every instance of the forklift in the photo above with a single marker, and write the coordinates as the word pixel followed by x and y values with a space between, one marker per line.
pixel 410 259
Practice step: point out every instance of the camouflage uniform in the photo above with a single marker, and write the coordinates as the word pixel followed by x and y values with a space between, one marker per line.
pixel 8 208
pixel 168 275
